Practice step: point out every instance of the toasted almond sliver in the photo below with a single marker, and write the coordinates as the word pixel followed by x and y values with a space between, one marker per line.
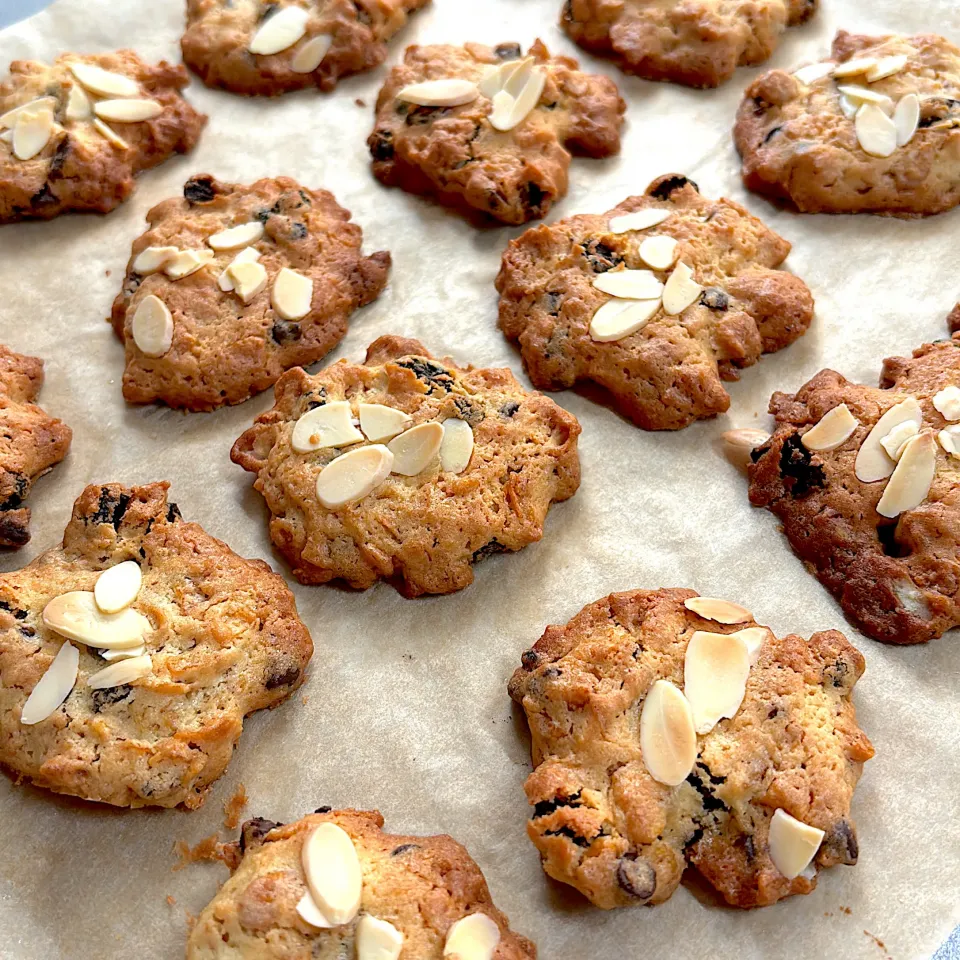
pixel 379 422
pixel 865 95
pixel 280 31
pixel 246 278
pixel 910 483
pixel 9 119
pixel 78 104
pixel 311 54
pixel 739 444
pixel 496 78
pixel 152 327
pixel 630 284
pixel 715 671
pixel 292 294
pixel 110 134
pixel 894 442
pixel 446 92
pixel 353 475
pixel 456 448
pixel 872 462
pixel 53 687
pixel 501 110
pixel 813 72
pixel 32 133
pixel 833 430
pixel 127 111
pixel 333 872
pixel 793 844
pixel 618 319
pixel 505 116
pixel 754 638
pixel 414 450
pixel 309 911
pixel 377 939
pixel 122 653
pixel 906 118
pixel 680 290
pixel 152 259
pixel 121 672
pixel 187 262
pixel 76 615
pixel 723 611
pixel 638 220
pixel 474 937
pixel 6 136
pixel 668 740
pixel 886 67
pixel 848 107
pixel 240 236
pixel 102 82
pixel 853 68
pixel 876 132
pixel 947 403
pixel 117 587
pixel 247 255
pixel 949 439
pixel 330 425
pixel 658 252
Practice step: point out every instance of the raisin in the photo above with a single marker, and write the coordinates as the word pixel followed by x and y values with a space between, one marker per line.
pixel 636 877
pixel 600 257
pixel 173 513
pixel 665 187
pixel 796 464
pixel 429 372
pixel 59 158
pixel 715 298
pixel 567 14
pixel 771 134
pixel 199 190
pixel 110 510
pixel 253 831
pixel 569 834
pixel 43 197
pixel 530 659
pixel 318 400
pixel 12 609
pixel 323 809
pixel 841 843
pixel 507 51
pixel 887 535
pixel 837 674
pixel 107 697
pixel 421 115
pixel 488 550
pixel 544 807
pixel 286 331
pixel 298 231
pixel 509 409
pixel 757 452
pixel 532 196
pixel 381 145
pixel 710 802
pixel 282 678
pixel 15 499
pixel 749 848
pixel 552 302
pixel 267 10
pixel 264 215
pixel 305 198
pixel 760 106
pixel 403 848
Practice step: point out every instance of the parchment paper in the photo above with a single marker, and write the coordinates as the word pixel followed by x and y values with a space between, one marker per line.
pixel 406 706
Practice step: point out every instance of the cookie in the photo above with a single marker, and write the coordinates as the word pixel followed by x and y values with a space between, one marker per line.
pixel 871 130
pixel 233 284
pixel 173 640
pixel 670 729
pixel 699 43
pixel 74 133
pixel 263 48
pixel 449 465
pixel 382 894
pixel 864 482
pixel 657 301
pixel 489 131
pixel 31 442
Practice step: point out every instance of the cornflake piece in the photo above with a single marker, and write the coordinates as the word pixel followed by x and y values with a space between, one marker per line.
pixel 153 259
pixel 668 740
pixel 9 119
pixel 456 448
pixel 855 67
pixel 793 844
pixel 32 133
pixel 894 442
pixel 280 31
pixel 379 422
pixel 947 403
pixel 127 111
pixel 121 672
pixel 328 426
pixel 910 483
pixel 117 587
pixel 833 430
pixel 239 236
pixel 813 72
pixel 876 132
pixel 715 671
pixel 333 873
pixel 474 937
pixel 680 290
pixel 723 611
pixel 378 939
pixel 658 252
pixel 447 92
pixel 248 255
pixel 739 444
pixel 630 284
pixel 311 54
pixel 414 450
pixel 53 687
pixel 618 319
pixel 886 67
pixel 353 475
pixel 949 439
pixel 247 278
pixel 110 134
pixel 152 327
pixel 906 118
pixel 639 220
pixel 104 83
pixel 187 262
pixel 78 104
pixel 872 462
pixel 76 615
pixel 292 294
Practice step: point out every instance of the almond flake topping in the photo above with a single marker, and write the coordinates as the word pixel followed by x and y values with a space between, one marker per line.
pixel 121 672
pixel 680 290
pixel 280 31
pixel 618 319
pixel 53 687
pixel 949 439
pixel 456 448
pixel 514 89
pixel 658 252
pixel 78 104
pixel 187 262
pixel 379 422
pixel 111 655
pixel 715 671
pixel 668 740
pixel 415 450
pixel 897 438
pixel 9 119
pixel 152 259
pixel 638 220
pixel 754 638
pixel 117 587
pixel 127 111
pixel 292 294
pixel 496 78
pixel 353 475
pixel 104 83
pixel 886 67
pixel 848 107
pixel 872 462
pixel 833 430
pixel 32 132
pixel 239 236
pixel 447 92
pixel 152 327
pixel 247 255
pixel 76 615
pixel 630 284
pixel 246 278
pixel 378 939
pixel 865 95
pixel 947 403
pixel 6 136
pixel 855 67
pixel 723 611
pixel 793 844
pixel 876 132
pixel 110 134
pixel 474 937
pixel 906 118
pixel 910 483
pixel 311 54
pixel 739 444
pixel 813 72
pixel 333 873
pixel 310 912
pixel 330 425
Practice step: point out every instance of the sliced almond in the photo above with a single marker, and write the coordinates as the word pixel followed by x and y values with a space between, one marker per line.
pixel 658 252
pixel 353 475
pixel 127 111
pixel 456 448
pixel 723 611
pixel 833 430
pixel 876 132
pixel 153 259
pixel 333 873
pixel 680 290
pixel 739 444
pixel 187 262
pixel 414 450
pixel 102 82
pixel 906 118
pixel 292 294
pixel 754 638
pixel 848 107
pixel 813 72
pixel 239 236
pixel 330 425
pixel 110 134
pixel 630 284
pixel 446 92
pixel 793 843
pixel 76 615
pixel 618 319
pixel 311 54
pixel 379 422
pixel 309 911
pixel 502 107
pixel 152 327
pixel 638 220
pixel 121 672
pixel 122 653
pixel 949 439
pixel 32 133
pixel 280 31
pixel 894 442
pixel 507 115
pixel 910 483
pixel 872 462
pixel 247 278
pixel 865 95
pixel 886 67
pixel 53 687
pixel 6 136
pixel 947 403
pixel 855 67
pixel 668 740
pixel 248 255
pixel 496 78
pixel 78 104
pixel 474 937
pixel 378 939
pixel 9 119
pixel 117 587
pixel 715 671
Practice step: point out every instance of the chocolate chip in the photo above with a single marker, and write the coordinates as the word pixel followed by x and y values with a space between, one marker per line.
pixel 253 831
pixel 887 535
pixel 14 499
pixel 199 190
pixel 279 677
pixel 403 848
pixel 111 509
pixel 286 331
pixel 318 399
pixel 529 659
pixel 544 807
pixel 12 609
pixel 173 513
pixel 600 257
pixel 488 550
pixel 636 877
pixel 508 410
pixel 109 696
pixel 709 801
pixel 381 145
pixel 507 51
pixel 796 465
pixel 715 298
pixel 666 186
pixel 841 844
pixel 569 834
pixel 429 372
pixel 757 452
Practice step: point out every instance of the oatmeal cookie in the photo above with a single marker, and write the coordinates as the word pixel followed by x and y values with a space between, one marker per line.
pixel 871 500
pixel 257 47
pixel 31 442
pixel 74 133
pixel 625 793
pixel 411 893
pixel 456 463
pixel 874 129
pixel 712 301
pixel 488 131
pixel 699 43
pixel 215 638
pixel 232 284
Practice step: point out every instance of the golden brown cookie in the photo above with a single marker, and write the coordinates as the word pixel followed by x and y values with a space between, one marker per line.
pixel 266 48
pixel 233 284
pixel 418 894
pixel 73 134
pixel 406 468
pixel 696 42
pixel 657 301
pixel 874 129
pixel 144 705
pixel 488 131
pixel 663 737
